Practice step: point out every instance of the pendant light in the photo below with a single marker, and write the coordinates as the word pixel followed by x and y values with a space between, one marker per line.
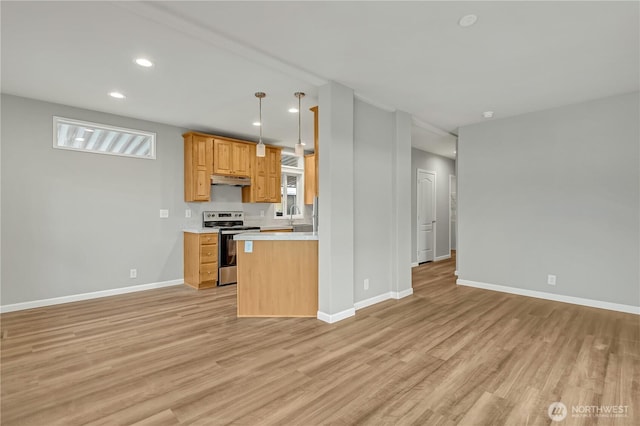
pixel 299 149
pixel 260 148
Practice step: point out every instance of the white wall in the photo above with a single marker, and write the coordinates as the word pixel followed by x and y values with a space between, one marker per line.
pixel 443 167
pixel 554 192
pixel 75 222
pixel 373 199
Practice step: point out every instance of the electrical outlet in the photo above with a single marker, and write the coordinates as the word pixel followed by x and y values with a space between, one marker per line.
pixel 261 213
pixel 187 213
pixel 133 273
pixel 551 279
pixel 164 213
pixel 366 284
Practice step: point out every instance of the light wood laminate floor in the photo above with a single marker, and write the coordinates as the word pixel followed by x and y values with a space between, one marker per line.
pixel 446 355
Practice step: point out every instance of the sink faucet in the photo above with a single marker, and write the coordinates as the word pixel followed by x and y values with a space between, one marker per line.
pixel 291 209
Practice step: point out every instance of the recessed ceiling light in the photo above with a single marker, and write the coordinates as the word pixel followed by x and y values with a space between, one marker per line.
pixel 256 123
pixel 467 20
pixel 80 139
pixel 117 95
pixel 143 62
pixel 487 114
pixel 293 110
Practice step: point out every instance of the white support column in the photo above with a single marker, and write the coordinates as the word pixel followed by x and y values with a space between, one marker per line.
pixel 335 231
pixel 401 210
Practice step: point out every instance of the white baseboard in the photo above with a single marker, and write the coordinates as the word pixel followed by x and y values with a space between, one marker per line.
pixel 552 296
pixel 445 257
pixel 414 264
pixel 372 300
pixel 382 297
pixel 455 272
pixel 401 294
pixel 331 318
pixel 86 296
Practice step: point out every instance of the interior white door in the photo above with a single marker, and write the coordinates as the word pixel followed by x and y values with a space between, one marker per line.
pixel 426 198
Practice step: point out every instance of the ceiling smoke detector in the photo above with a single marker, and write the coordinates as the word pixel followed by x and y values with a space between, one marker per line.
pixel 467 20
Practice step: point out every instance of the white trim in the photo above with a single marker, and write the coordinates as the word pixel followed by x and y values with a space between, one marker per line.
pixel 372 300
pixel 455 273
pixel 450 224
pixel 86 296
pixel 376 104
pixel 382 297
pixel 401 294
pixel 551 296
pixel 414 264
pixel 435 211
pixel 439 258
pixel 331 318
pixel 429 127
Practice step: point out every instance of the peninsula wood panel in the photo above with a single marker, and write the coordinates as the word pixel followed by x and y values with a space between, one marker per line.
pixel 279 278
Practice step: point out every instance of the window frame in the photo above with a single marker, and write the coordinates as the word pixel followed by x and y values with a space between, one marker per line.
pixel 299 173
pixel 105 127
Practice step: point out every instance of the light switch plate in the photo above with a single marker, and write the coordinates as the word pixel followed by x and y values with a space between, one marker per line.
pixel 164 213
pixel 187 213
pixel 248 246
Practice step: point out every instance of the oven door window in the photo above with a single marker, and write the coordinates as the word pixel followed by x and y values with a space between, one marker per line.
pixel 228 255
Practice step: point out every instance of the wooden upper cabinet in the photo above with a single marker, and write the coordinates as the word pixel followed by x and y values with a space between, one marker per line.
pixel 265 177
pixel 222 157
pixel 231 158
pixel 309 178
pixel 198 165
pixel 241 159
pixel 311 164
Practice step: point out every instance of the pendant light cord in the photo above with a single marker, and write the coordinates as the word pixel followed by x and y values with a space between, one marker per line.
pixel 260 141
pixel 299 139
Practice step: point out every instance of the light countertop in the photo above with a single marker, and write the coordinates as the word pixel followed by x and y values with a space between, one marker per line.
pixel 277 236
pixel 275 227
pixel 200 230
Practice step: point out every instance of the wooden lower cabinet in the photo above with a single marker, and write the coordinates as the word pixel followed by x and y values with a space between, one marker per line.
pixel 200 260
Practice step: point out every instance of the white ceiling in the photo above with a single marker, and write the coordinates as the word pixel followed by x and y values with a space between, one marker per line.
pixel 212 56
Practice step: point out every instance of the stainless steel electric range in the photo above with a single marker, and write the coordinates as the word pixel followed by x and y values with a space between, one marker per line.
pixel 228 224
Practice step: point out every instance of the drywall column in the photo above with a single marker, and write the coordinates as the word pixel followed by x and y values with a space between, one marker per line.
pixel 335 232
pixel 400 213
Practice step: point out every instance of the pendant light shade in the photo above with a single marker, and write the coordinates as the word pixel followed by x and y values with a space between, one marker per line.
pixel 260 148
pixel 299 148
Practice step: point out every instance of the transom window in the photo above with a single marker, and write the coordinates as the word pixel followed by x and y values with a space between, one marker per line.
pixel 97 138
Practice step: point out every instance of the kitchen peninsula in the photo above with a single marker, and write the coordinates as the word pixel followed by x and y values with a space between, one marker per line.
pixel 277 274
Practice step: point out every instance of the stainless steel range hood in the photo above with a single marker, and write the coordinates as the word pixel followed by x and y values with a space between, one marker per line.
pixel 230 180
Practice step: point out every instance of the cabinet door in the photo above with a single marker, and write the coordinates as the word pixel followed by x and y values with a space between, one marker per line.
pixel 241 157
pixel 309 178
pixel 202 155
pixel 273 189
pixel 222 157
pixel 273 160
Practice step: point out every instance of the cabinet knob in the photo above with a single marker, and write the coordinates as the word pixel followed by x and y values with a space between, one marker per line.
pixel 209 272
pixel 209 254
